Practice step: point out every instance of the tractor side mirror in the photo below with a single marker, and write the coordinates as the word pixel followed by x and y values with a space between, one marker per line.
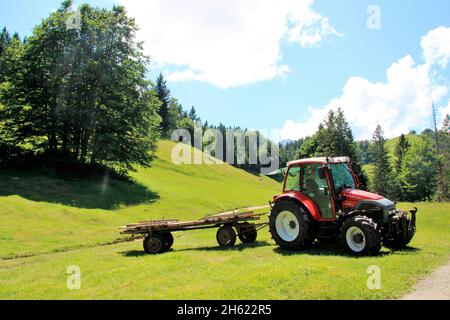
pixel 322 173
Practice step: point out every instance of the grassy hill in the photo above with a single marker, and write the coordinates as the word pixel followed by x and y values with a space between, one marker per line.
pixel 391 143
pixel 42 213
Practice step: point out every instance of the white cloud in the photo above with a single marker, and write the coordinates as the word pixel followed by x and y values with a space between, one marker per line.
pixel 444 112
pixel 436 46
pixel 401 103
pixel 227 43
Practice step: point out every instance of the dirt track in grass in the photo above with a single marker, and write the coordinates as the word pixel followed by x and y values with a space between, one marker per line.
pixel 434 287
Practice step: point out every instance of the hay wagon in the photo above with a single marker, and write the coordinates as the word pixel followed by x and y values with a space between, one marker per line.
pixel 158 234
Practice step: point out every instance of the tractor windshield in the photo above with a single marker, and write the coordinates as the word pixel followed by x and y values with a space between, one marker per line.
pixel 342 177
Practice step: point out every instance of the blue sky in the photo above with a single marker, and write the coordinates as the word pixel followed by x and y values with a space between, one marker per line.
pixel 293 91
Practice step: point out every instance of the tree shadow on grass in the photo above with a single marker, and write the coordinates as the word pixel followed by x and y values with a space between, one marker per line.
pixel 239 247
pixel 95 192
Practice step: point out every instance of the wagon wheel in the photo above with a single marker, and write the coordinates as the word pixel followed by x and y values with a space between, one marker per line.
pixel 168 240
pixel 248 234
pixel 226 237
pixel 154 244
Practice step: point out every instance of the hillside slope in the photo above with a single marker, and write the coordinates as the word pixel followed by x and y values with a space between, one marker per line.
pixel 42 213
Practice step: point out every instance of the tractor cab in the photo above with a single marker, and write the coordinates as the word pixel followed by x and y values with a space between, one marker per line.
pixel 322 180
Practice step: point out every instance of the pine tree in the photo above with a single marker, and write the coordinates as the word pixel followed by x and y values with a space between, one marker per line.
pixel 382 173
pixel 443 179
pixel 444 134
pixel 5 40
pixel 401 148
pixel 193 114
pixel 163 93
pixel 334 138
pixel 363 151
pixel 440 187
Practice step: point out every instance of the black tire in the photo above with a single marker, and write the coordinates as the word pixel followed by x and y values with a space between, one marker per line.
pixel 154 244
pixel 168 239
pixel 287 238
pixel 366 239
pixel 226 237
pixel 404 238
pixel 248 234
pixel 395 244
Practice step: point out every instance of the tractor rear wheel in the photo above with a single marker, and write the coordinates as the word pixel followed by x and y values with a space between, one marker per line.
pixel 289 226
pixel 360 236
pixel 154 244
pixel 248 234
pixel 226 237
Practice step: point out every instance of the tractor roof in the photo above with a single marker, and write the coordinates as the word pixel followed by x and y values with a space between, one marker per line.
pixel 320 161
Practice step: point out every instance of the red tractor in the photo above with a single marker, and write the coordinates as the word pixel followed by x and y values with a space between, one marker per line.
pixel 321 201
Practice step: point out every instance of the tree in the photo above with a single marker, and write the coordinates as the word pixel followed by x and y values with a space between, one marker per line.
pixel 401 148
pixel 363 151
pixel 175 114
pixel 288 151
pixel 81 94
pixel 193 114
pixel 443 158
pixel 334 138
pixel 5 39
pixel 440 187
pixel 382 173
pixel 418 173
pixel 163 94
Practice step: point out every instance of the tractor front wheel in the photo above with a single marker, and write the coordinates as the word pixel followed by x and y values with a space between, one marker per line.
pixel 360 236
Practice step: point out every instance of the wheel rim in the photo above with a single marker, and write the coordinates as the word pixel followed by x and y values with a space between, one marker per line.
pixel 288 227
pixel 154 245
pixel 355 239
pixel 225 236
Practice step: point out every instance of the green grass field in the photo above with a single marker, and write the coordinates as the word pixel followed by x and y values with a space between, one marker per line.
pixel 41 214
pixel 54 224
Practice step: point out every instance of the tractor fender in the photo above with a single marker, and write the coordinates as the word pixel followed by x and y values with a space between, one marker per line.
pixel 306 202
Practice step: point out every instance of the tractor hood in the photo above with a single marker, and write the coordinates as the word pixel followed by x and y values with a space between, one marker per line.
pixel 363 200
pixel 357 195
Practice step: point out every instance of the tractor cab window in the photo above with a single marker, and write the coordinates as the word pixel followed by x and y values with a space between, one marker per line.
pixel 293 179
pixel 317 189
pixel 342 177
